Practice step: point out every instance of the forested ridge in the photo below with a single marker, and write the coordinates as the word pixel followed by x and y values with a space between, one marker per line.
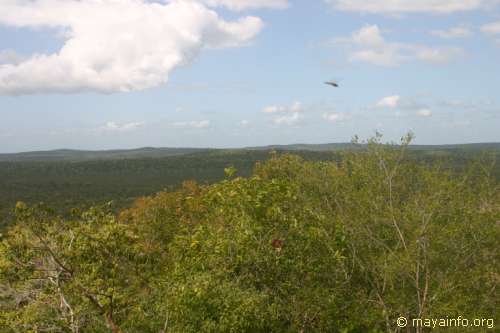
pixel 347 243
pixel 66 184
pixel 66 179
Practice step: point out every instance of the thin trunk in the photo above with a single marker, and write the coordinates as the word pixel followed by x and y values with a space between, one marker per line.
pixel 111 324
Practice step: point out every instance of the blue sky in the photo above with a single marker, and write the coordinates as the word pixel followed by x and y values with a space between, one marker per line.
pixel 232 73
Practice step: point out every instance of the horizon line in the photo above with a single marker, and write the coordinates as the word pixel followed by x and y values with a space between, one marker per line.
pixel 232 148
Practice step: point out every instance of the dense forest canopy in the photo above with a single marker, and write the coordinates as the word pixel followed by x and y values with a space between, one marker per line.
pixel 347 244
pixel 66 179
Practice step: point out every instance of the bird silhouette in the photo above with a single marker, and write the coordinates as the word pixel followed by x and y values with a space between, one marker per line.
pixel 332 83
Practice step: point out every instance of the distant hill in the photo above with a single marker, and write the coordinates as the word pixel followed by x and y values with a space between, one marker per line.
pixel 149 152
pixel 308 147
pixel 66 179
pixel 489 146
pixel 486 146
pixel 85 155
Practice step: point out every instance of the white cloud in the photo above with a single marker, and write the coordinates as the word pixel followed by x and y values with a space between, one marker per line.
pixel 292 119
pixel 389 102
pixel 396 102
pixel 470 105
pixel 436 56
pixel 116 45
pixel 368 45
pixel 393 7
pixel 288 115
pixel 454 32
pixel 334 117
pixel 115 127
pixel 409 105
pixel 192 124
pixel 369 35
pixel 239 5
pixel 244 123
pixel 10 57
pixel 296 107
pixel 424 113
pixel 491 28
pixel 274 109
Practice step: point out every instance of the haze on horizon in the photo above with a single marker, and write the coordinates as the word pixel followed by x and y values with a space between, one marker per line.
pixel 236 73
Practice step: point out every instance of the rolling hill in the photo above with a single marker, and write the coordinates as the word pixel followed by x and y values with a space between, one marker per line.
pixel 150 152
pixel 66 179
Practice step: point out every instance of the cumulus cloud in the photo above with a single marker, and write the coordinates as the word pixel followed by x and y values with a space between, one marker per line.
pixel 410 6
pixel 239 5
pixel 454 32
pixel 399 102
pixel 291 119
pixel 10 57
pixel 334 117
pixel 369 45
pixel 491 28
pixel 285 115
pixel 409 105
pixel 390 102
pixel 117 45
pixel 201 124
pixel 116 127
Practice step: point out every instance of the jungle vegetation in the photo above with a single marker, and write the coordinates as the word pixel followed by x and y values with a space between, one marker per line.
pixel 342 244
pixel 67 179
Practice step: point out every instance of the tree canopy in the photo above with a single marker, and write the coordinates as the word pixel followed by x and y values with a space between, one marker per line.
pixel 299 246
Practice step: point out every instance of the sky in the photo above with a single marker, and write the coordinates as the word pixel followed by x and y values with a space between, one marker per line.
pixel 118 74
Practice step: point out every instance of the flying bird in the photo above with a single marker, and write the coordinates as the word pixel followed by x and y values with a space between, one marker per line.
pixel 332 83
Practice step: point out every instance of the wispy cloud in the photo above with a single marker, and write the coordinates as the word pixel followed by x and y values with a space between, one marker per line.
pixel 124 127
pixel 451 33
pixel 285 115
pixel 296 107
pixel 239 5
pixel 292 119
pixel 213 87
pixel 200 124
pixel 400 104
pixel 491 28
pixel 335 117
pixel 470 105
pixel 394 7
pixel 428 106
pixel 369 45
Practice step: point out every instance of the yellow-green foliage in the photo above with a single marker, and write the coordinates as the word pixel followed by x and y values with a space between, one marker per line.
pixel 300 246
